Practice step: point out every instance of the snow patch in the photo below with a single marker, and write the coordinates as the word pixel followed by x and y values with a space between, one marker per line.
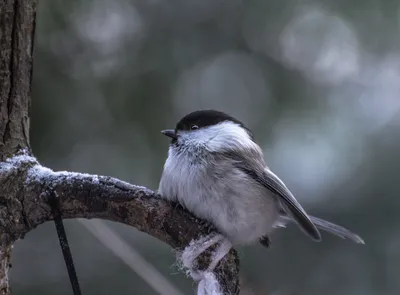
pixel 16 161
pixel 40 173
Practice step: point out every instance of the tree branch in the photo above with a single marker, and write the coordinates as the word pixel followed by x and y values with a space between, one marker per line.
pixel 92 196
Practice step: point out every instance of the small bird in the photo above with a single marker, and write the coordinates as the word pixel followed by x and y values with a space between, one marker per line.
pixel 216 170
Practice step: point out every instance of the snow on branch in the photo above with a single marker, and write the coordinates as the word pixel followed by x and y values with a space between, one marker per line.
pixel 26 188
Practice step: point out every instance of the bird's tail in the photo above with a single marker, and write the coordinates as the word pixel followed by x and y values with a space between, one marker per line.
pixel 328 227
pixel 336 230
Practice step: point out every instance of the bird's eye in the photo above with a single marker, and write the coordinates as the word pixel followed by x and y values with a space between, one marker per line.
pixel 194 127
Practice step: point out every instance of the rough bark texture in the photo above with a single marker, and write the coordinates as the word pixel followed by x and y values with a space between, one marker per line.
pixel 27 189
pixel 17 25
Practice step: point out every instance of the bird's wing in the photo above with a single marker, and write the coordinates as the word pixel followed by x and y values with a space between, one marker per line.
pixel 272 182
pixel 255 169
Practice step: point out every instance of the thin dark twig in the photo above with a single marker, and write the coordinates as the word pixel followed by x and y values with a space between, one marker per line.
pixel 62 237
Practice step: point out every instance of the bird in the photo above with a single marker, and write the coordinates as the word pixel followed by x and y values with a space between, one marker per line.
pixel 216 170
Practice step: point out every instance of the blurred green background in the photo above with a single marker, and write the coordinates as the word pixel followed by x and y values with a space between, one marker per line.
pixel 317 81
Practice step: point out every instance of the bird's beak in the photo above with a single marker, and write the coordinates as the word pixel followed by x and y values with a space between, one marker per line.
pixel 170 133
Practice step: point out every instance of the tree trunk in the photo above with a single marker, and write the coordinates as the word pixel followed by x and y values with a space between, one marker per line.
pixel 17 25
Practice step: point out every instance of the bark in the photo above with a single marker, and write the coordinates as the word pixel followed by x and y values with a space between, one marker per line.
pixel 17 24
pixel 27 189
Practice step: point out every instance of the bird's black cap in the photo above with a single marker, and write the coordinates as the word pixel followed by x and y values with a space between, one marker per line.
pixel 204 118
